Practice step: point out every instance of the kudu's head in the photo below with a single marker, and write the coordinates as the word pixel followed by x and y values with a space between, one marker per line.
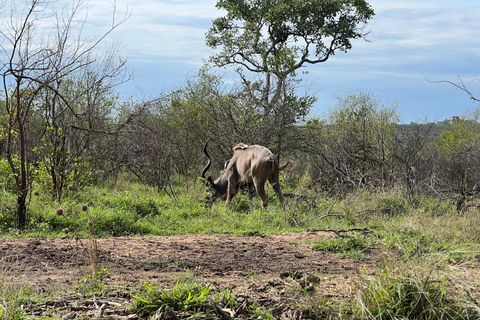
pixel 215 188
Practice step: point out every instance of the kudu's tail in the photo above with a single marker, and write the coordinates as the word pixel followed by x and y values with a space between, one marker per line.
pixel 285 164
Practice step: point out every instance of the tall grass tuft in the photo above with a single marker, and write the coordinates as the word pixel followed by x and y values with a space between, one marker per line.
pixel 183 297
pixel 193 299
pixel 15 299
pixel 408 291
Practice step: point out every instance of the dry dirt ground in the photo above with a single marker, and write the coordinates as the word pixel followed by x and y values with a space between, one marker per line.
pixel 251 267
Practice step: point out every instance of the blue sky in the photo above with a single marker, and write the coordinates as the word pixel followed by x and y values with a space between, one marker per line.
pixel 411 42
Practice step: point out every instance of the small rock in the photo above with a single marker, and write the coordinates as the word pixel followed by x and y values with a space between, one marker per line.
pixel 68 316
pixel 313 279
pixel 310 287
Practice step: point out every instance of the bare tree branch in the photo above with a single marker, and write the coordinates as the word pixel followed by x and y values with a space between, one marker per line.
pixel 460 85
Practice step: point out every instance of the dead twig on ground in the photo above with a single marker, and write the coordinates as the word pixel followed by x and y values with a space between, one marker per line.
pixel 340 232
pixel 329 213
pixel 100 311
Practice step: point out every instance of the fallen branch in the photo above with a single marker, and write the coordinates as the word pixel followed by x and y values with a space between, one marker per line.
pixel 107 302
pixel 340 232
pixel 100 311
pixel 226 314
pixel 69 316
pixel 173 315
pixel 328 214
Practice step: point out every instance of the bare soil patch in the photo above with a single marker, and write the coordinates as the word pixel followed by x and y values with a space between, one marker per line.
pixel 249 266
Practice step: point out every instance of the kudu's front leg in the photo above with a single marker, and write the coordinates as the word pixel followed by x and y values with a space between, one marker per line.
pixel 231 191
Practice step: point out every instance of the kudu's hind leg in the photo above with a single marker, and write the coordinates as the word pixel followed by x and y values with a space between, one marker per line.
pixel 251 193
pixel 260 186
pixel 278 191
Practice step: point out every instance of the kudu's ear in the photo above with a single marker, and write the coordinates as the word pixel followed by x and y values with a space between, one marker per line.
pixel 209 179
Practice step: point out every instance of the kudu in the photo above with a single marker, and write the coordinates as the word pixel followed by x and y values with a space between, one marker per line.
pixel 250 166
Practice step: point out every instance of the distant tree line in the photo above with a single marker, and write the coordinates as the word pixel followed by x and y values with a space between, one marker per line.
pixel 358 144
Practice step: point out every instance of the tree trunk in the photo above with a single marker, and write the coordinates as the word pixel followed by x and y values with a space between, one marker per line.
pixel 21 218
pixel 22 181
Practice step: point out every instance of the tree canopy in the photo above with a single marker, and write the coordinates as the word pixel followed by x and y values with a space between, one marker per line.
pixel 280 36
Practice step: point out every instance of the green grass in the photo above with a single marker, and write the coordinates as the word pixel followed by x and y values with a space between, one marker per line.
pixel 184 296
pixel 350 245
pixel 133 209
pixel 410 290
pixel 422 233
pixel 425 229
pixel 192 299
pixel 424 226
pixel 14 300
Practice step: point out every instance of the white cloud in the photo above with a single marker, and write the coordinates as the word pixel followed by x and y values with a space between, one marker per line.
pixel 165 29
pixel 410 41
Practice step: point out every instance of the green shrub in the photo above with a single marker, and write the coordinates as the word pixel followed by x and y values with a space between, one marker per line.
pixel 183 297
pixel 7 180
pixel 413 242
pixel 7 212
pixel 146 208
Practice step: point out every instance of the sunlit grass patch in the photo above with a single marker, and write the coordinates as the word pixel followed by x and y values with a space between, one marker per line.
pixel 409 290
pixel 193 299
pixel 15 300
pixel 350 245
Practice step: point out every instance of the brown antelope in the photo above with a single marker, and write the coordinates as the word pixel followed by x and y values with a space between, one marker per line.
pixel 250 166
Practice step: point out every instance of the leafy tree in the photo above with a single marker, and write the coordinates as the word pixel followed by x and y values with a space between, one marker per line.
pixel 227 114
pixel 72 132
pixel 165 137
pixel 353 146
pixel 40 46
pixel 410 150
pixel 455 160
pixel 277 37
pixel 274 38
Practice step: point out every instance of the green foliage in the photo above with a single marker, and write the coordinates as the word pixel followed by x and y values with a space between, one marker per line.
pixel 454 153
pixel 349 245
pixel 185 296
pixel 7 180
pixel 414 243
pixel 392 204
pixel 257 33
pixel 192 299
pixel 404 291
pixel 14 301
pixel 354 146
pixel 7 212
pixel 91 285
pixel 129 202
pixel 456 140
pixel 419 234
